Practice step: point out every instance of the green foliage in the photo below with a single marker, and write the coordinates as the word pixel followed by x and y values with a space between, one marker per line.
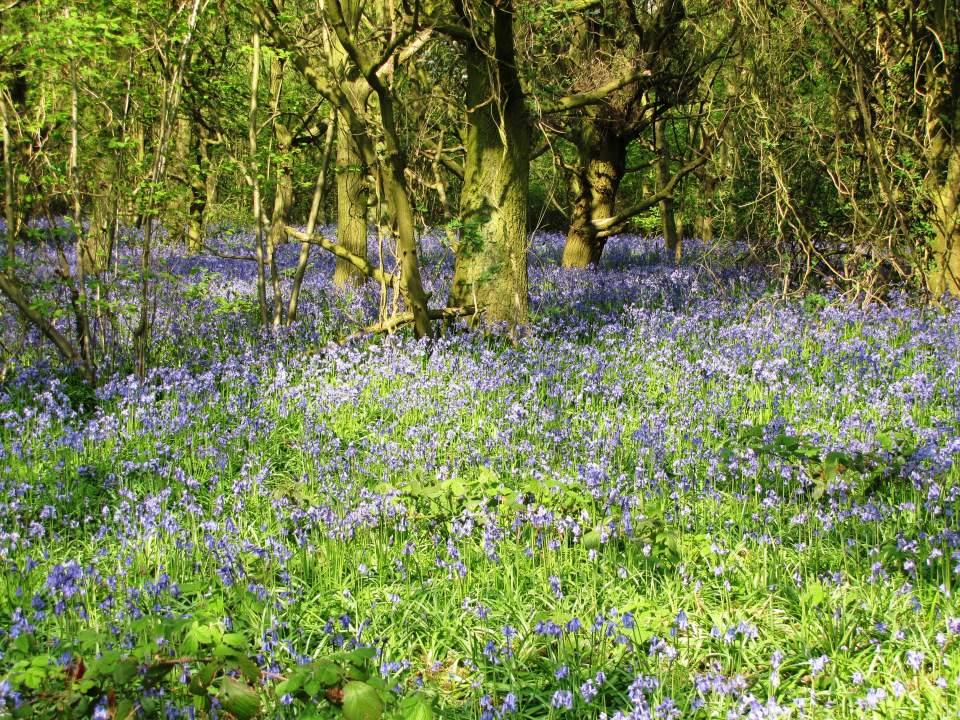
pixel 199 659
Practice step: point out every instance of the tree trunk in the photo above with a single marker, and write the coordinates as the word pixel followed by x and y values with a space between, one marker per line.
pixel 318 197
pixel 352 196
pixel 259 251
pixel 703 222
pixel 97 243
pixel 283 189
pixel 671 237
pixel 11 216
pixel 942 122
pixel 600 167
pixel 198 192
pixel 944 275
pixel 491 262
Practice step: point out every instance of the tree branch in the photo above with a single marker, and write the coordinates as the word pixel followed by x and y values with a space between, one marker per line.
pixel 597 95
pixel 405 318
pixel 341 252
pixel 14 292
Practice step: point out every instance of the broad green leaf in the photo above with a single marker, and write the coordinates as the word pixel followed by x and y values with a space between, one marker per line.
pixel 361 702
pixel 239 699
pixel 415 707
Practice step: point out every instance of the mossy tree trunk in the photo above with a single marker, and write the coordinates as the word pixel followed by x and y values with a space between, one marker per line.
pixel 601 161
pixel 942 154
pixel 352 200
pixel 491 261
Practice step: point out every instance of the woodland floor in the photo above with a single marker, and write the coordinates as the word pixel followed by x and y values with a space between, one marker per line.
pixel 673 499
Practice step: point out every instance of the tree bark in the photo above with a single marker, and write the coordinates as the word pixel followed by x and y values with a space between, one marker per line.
pixel 97 243
pixel 668 220
pixel 318 193
pixel 942 125
pixel 491 261
pixel 944 275
pixel 198 192
pixel 11 215
pixel 352 194
pixel 283 189
pixel 601 161
pixel 252 143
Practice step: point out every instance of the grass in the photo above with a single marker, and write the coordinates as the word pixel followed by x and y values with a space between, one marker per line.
pixel 642 511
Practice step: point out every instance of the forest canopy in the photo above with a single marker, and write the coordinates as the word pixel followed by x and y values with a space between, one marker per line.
pixel 817 137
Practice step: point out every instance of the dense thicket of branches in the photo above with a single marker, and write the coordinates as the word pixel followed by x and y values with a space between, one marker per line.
pixel 821 135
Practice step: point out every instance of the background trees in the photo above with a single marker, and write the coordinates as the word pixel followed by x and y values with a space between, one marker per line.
pixel 821 133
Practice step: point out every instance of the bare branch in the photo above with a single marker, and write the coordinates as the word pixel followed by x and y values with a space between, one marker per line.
pixel 597 95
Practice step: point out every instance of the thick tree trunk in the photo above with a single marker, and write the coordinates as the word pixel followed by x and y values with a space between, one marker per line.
pixel 600 168
pixel 671 236
pixel 942 121
pixel 944 275
pixel 352 197
pixel 491 263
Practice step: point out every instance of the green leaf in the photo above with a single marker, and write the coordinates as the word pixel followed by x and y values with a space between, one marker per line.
pixel 235 640
pixel 325 674
pixel 239 699
pixel 591 540
pixel 203 677
pixel 156 674
pixel 125 672
pixel 814 595
pixel 249 669
pixel 361 702
pixel 415 707
pixel 124 709
pixel 361 655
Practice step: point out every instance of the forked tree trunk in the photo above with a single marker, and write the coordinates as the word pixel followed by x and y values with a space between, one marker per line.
pixel 668 218
pixel 491 263
pixel 600 167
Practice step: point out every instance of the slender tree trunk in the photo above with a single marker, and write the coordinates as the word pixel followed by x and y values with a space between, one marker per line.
pixel 9 196
pixel 352 194
pixel 198 191
pixel 491 262
pixel 97 246
pixel 142 334
pixel 252 146
pixel 283 195
pixel 668 218
pixel 315 205
pixel 79 289
pixel 704 219
pixel 399 201
pixel 600 166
